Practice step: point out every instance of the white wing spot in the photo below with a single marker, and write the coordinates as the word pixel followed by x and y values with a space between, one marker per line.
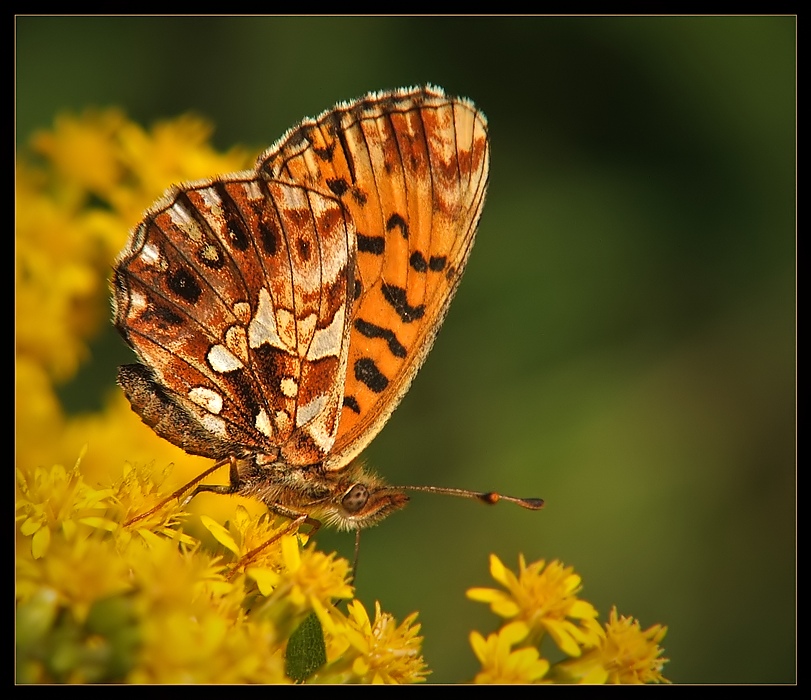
pixel 185 222
pixel 289 387
pixel 213 424
pixel 263 425
pixel 210 253
pixel 211 199
pixel 223 360
pixel 327 341
pixel 335 239
pixel 252 190
pixel 320 436
pixel 138 302
pixel 309 411
pixel 150 254
pixel 323 426
pixel 283 421
pixel 305 329
pixel 206 398
pixel 286 328
pixel 262 328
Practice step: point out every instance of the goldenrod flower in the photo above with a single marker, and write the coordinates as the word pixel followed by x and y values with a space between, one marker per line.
pixel 545 599
pixel 51 499
pixel 247 536
pixel 193 626
pixel 99 605
pixel 626 654
pixel 366 651
pixel 140 491
pixel 60 277
pixel 309 581
pixel 78 571
pixel 541 599
pixel 83 151
pixel 500 663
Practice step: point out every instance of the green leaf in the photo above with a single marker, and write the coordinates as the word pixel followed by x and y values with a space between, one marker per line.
pixel 306 650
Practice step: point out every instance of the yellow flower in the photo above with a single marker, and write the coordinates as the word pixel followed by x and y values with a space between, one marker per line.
pixel 193 626
pixel 365 651
pixel 59 278
pixel 200 646
pixel 309 581
pixel 98 606
pixel 172 152
pixel 545 599
pixel 255 543
pixel 139 492
pixel 82 150
pixel 170 575
pixel 500 664
pixel 78 571
pixel 627 654
pixel 55 499
pixel 313 575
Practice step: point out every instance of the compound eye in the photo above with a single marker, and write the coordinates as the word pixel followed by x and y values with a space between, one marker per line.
pixel 355 498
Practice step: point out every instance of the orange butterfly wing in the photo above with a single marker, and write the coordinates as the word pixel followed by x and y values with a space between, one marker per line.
pixel 411 168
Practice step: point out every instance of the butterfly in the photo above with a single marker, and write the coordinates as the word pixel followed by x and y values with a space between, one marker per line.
pixel 280 314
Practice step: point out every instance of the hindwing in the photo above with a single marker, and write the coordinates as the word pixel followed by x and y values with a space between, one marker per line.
pixel 237 294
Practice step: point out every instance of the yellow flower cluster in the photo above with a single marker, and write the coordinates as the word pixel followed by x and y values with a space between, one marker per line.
pixel 102 601
pixel 542 600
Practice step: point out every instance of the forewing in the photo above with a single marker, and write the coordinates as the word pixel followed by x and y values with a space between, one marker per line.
pixel 411 168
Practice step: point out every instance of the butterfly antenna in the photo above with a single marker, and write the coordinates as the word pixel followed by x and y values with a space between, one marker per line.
pixel 489 497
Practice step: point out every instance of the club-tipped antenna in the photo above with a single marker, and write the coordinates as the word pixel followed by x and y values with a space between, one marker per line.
pixel 489 497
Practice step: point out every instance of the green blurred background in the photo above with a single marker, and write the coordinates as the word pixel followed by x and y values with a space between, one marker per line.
pixel 623 343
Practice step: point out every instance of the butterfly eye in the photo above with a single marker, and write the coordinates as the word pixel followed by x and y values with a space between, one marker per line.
pixel 355 498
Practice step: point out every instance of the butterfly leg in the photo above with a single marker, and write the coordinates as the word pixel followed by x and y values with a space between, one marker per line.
pixel 296 516
pixel 183 489
pixel 296 521
pixel 225 489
